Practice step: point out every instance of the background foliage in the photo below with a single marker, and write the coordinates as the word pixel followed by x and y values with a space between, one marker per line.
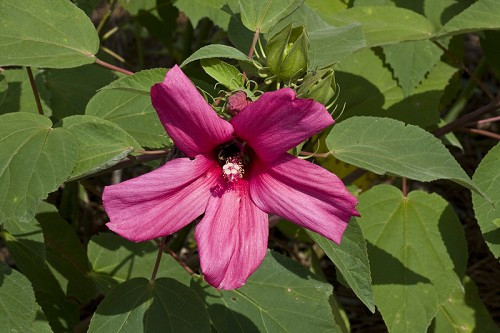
pixel 416 139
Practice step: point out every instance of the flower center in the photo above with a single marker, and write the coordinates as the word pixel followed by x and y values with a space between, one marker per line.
pixel 233 169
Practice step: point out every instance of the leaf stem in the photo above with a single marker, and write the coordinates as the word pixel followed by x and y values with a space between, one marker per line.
pixel 481 132
pixel 486 121
pixel 467 70
pixel 181 262
pixel 35 90
pixel 404 186
pixel 112 67
pixel 161 248
pixel 254 42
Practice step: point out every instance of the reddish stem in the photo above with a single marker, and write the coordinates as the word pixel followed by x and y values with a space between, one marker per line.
pixel 254 42
pixel 161 248
pixel 112 67
pixel 481 132
pixel 182 263
pixel 404 186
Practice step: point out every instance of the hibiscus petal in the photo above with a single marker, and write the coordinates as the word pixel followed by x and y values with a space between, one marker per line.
pixel 160 202
pixel 232 238
pixel 278 121
pixel 188 119
pixel 303 193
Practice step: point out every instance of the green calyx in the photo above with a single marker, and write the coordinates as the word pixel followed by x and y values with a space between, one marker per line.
pixel 287 53
pixel 319 85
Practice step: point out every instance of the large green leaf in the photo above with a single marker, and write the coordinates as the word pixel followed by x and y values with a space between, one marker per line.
pixel 66 255
pixel 216 51
pixel 327 44
pixel 417 252
pixel 487 178
pixel 34 160
pixel 134 6
pixel 139 305
pixel 139 83
pixel 384 145
pixel 102 143
pixel 46 33
pixel 19 94
pixel 374 92
pixel 17 301
pixel 126 102
pixel 351 259
pixel 198 9
pixel 464 312
pixel 262 15
pixel 482 15
pixel 439 12
pixel 26 246
pixel 71 89
pixel 411 61
pixel 383 25
pixel 115 260
pixel 281 296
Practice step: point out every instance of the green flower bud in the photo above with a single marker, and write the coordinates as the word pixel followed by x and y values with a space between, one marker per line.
pixel 287 53
pixel 319 85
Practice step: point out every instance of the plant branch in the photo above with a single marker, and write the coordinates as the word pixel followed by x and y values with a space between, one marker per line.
pixel 181 262
pixel 467 118
pixel 35 90
pixel 467 70
pixel 485 121
pixel 481 132
pixel 254 42
pixel 161 248
pixel 112 67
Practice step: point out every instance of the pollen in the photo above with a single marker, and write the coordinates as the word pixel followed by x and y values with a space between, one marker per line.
pixel 233 169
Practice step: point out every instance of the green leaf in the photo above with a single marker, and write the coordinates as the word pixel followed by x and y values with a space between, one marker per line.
pixel 46 33
pixel 482 15
pixel 34 160
pixel 198 9
pixel 351 259
pixel 66 255
pixel 383 25
pixel 374 92
pixel 139 83
pixel 26 246
pixel 411 61
pixel 17 301
pixel 216 51
pixel 441 11
pixel 327 44
pixel 224 73
pixel 332 44
pixel 126 102
pixel 139 305
pixel 384 145
pixel 71 89
pixel 102 143
pixel 262 15
pixel 19 94
pixel 281 296
pixel 487 179
pixel 463 311
pixel 115 260
pixel 134 6
pixel 417 253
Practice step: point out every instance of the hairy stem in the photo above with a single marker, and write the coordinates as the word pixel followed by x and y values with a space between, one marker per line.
pixel 254 42
pixel 112 67
pixel 35 90
pixel 161 248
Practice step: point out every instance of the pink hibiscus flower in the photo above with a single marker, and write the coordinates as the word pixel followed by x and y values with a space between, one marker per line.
pixel 237 172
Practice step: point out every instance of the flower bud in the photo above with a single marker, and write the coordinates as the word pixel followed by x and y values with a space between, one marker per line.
pixel 237 102
pixel 287 53
pixel 319 85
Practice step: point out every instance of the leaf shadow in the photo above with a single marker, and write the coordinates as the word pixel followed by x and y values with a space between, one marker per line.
pixel 223 318
pixel 387 269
